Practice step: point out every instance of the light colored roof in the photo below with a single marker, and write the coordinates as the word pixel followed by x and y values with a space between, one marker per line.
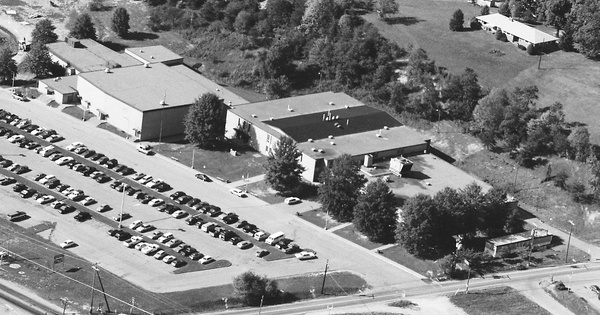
pixel 261 112
pixel 144 87
pixel 363 143
pixel 153 54
pixel 63 85
pixel 91 56
pixel 515 28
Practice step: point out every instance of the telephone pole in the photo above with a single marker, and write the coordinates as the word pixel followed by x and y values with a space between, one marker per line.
pixel 324 276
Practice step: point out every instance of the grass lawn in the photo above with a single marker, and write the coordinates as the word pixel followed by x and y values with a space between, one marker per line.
pixel 319 218
pixel 264 192
pixel 354 236
pixel 424 23
pixel 398 254
pixel 217 163
pixel 498 301
pixel 571 301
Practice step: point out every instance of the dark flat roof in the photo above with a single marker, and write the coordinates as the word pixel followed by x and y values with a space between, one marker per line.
pixel 336 122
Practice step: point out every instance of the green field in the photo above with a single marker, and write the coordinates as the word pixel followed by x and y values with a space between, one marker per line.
pixel 499 301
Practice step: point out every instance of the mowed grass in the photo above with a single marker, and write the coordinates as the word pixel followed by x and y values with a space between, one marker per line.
pixel 571 301
pixel 424 23
pixel 497 301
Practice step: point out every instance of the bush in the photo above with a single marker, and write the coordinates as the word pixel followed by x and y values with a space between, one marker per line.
pixel 475 24
pixel 521 47
pixel 500 36
pixel 485 10
pixel 531 50
pixel 457 21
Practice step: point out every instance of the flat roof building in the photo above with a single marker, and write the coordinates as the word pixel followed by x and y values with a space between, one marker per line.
pixel 516 32
pixel 154 54
pixel 324 126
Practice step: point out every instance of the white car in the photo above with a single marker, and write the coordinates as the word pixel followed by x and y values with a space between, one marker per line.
pixel 238 192
pixel 292 200
pixel 132 241
pixel 37 131
pixel 88 201
pixel 206 260
pixel 144 148
pixel 57 204
pixel 16 138
pixel 165 237
pixel 306 255
pixel 154 183
pixel 46 199
pixel 67 244
pixel 156 202
pixel 150 249
pixel 160 255
pixel 74 146
pixel 168 259
pixel 135 224
pixel 178 214
pixel 46 179
pixel 144 228
pixel 64 160
pixel 77 194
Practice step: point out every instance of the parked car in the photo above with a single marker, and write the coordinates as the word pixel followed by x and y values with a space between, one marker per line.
pixel 82 216
pixel 168 259
pixel 160 255
pixel 103 208
pixel 291 200
pixel 156 235
pixel 306 255
pixel 206 260
pixel 144 148
pixel 262 253
pixel 74 145
pixel 196 256
pixel 67 244
pixel 238 192
pixel 46 199
pixel 123 216
pixel 156 202
pixel 244 245
pixel 176 195
pixel 88 201
pixel 202 176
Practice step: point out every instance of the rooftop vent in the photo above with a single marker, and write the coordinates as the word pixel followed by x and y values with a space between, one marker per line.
pixel 332 143
pixel 218 89
pixel 162 102
pixel 310 140
pixel 254 115
pixel 378 135
pixel 330 137
pixel 321 151
pixel 386 128
pixel 314 149
pixel 290 109
pixel 271 118
pixel 151 57
pixel 331 103
pixel 347 106
pixel 141 51
pixel 146 65
pixel 107 70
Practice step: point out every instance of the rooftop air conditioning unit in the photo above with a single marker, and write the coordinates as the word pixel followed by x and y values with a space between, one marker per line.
pixel 146 65
pixel 107 70
pixel 386 128
pixel 347 106
pixel 218 90
pixel 330 137
pixel 162 102
pixel 141 51
pixel 331 103
pixel 314 149
pixel 151 57
pixel 321 151
pixel 378 135
pixel 332 143
pixel 310 140
pixel 271 118
pixel 254 115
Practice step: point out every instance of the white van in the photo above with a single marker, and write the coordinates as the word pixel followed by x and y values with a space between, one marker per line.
pixel 274 238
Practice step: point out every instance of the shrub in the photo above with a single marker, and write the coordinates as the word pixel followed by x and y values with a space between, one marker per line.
pixel 485 10
pixel 531 50
pixel 457 21
pixel 521 47
pixel 500 36
pixel 475 24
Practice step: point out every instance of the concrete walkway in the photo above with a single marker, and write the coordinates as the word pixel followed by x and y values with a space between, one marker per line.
pixel 536 293
pixel 338 227
pixel 245 181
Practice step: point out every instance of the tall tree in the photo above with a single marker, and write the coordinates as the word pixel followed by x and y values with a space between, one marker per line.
pixel 457 21
pixel 485 10
pixel 39 62
pixel 83 27
pixel 385 7
pixel 205 121
pixel 579 142
pixel 120 22
pixel 595 173
pixel 318 16
pixel 340 186
pixel 251 288
pixel 283 166
pixel 375 214
pixel 462 93
pixel 504 9
pixel 557 12
pixel 588 37
pixel 44 32
pixel 488 116
pixel 8 66
pixel 279 12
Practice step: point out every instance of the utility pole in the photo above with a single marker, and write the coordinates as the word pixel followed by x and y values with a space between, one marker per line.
pixel 468 276
pixel 324 276
pixel 132 304
pixel 65 302
pixel 193 153
pixel 93 288
pixel 122 204
pixel 261 302
pixel 102 287
pixel 569 242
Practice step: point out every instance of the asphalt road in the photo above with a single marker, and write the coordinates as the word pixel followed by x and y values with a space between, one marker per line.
pixel 578 277
pixel 96 245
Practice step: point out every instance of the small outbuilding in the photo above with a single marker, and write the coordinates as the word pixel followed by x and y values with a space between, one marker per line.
pixel 534 239
pixel 516 32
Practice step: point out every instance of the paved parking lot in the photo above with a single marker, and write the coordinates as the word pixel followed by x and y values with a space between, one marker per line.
pixel 96 245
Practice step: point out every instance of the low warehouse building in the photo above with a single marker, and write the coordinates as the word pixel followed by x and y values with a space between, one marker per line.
pixel 324 126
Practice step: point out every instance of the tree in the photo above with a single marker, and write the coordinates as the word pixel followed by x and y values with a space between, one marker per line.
pixel 375 213
pixel 385 7
pixel 318 16
pixel 251 288
pixel 120 22
pixel 283 166
pixel 557 12
pixel 566 38
pixel 205 121
pixel 579 143
pixel 488 116
pixel 279 12
pixel 44 32
pixel 485 10
pixel 340 187
pixel 8 66
pixel 588 37
pixel 277 88
pixel 96 5
pixel 39 62
pixel 83 27
pixel 504 9
pixel 457 21
pixel 595 173
pixel 463 92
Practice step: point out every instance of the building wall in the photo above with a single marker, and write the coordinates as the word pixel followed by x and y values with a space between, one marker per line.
pixel 172 123
pixel 260 140
pixel 118 114
pixel 64 64
pixel 310 164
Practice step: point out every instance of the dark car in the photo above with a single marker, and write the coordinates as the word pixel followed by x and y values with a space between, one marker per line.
pixel 166 207
pixel 19 187
pixel 112 232
pixel 97 157
pixel 103 179
pixel 82 216
pixel 22 169
pixel 194 201
pixel 115 184
pixel 213 212
pixel 119 168
pixel 66 209
pixel 53 183
pixel 55 157
pixel 7 181
pixel 62 187
pixel 162 187
pixel 6 163
pixel 146 199
pixel 176 195
pixel 103 160
pixel 241 224
pixel 89 153
pixel 193 220
pixel 140 196
pixel 184 199
pixel 231 218
pixel 28 193
pixel 112 163
pixel 122 235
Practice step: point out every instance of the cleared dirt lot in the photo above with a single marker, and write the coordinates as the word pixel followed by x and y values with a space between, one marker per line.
pixel 97 246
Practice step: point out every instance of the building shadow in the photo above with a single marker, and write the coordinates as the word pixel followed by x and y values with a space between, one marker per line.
pixel 141 36
pixel 114 46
